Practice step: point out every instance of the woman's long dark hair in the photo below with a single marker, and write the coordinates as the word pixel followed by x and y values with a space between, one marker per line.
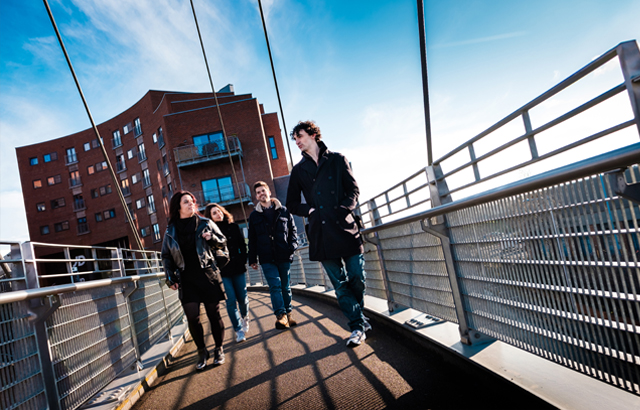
pixel 174 205
pixel 226 216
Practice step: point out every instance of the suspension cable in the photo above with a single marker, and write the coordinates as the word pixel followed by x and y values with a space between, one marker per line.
pixel 224 133
pixel 95 130
pixel 275 80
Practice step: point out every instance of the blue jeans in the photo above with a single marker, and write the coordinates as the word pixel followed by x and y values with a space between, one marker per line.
pixel 349 281
pixel 277 275
pixel 236 289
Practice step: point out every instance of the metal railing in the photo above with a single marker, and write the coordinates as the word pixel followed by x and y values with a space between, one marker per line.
pixel 62 344
pixel 547 263
pixel 224 196
pixel 194 154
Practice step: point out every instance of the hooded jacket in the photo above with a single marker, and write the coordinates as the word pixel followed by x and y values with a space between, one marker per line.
pixel 173 261
pixel 272 244
pixel 330 188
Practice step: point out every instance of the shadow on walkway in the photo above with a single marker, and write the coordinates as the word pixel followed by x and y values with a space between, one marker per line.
pixel 309 367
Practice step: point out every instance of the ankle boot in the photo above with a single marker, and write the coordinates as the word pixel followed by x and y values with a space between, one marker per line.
pixel 291 320
pixel 203 356
pixel 218 356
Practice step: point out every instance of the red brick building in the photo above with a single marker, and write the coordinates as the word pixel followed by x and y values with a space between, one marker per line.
pixel 165 142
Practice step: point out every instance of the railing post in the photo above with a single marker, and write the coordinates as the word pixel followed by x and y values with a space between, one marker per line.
pixel 375 240
pixel 629 57
pixel 437 227
pixel 118 264
pixel 30 265
pixel 40 310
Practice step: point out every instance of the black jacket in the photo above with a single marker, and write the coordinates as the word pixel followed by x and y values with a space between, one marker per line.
pixel 272 244
pixel 173 261
pixel 330 188
pixel 237 249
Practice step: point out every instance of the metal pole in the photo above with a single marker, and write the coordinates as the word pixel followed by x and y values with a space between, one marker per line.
pixel 95 129
pixel 215 96
pixel 275 80
pixel 425 82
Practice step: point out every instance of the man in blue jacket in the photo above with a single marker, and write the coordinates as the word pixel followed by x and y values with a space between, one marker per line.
pixel 331 193
pixel 272 241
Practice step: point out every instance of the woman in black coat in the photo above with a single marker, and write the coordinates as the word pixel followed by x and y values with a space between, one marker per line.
pixel 188 257
pixel 233 274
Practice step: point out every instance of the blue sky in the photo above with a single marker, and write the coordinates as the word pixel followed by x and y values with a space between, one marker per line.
pixel 353 66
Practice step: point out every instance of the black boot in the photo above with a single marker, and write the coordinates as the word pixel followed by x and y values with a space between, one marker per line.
pixel 218 356
pixel 203 356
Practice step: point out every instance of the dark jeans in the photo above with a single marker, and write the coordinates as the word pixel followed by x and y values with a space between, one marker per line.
pixel 349 280
pixel 277 275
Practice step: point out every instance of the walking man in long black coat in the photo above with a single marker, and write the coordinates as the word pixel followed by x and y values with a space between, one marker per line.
pixel 331 193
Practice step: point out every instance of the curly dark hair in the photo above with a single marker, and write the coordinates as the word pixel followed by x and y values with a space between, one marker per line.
pixel 309 126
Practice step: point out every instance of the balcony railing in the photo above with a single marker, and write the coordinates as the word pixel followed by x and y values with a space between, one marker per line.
pixel 196 154
pixel 79 205
pixel 142 156
pixel 70 159
pixel 224 196
pixel 121 166
pixel 74 182
pixel 137 130
pixel 117 142
pixel 146 181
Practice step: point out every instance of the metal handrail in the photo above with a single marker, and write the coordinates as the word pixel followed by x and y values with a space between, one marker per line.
pixel 622 157
pixel 22 295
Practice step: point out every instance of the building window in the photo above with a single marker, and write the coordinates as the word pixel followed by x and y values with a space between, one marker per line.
pixel 165 166
pixel 142 154
pixel 101 166
pixel 146 178
pixel 71 156
pixel 37 184
pixel 95 143
pixel 209 144
pixel 78 203
pixel 217 190
pixel 83 226
pixel 151 204
pixel 160 138
pixel 99 217
pixel 120 164
pixel 87 146
pixel 126 129
pixel 111 213
pixel 154 137
pixel 57 203
pixel 133 215
pixel 135 178
pixel 124 184
pixel 62 226
pixel 117 141
pixel 53 156
pixel 74 178
pixel 272 146
pixel 104 190
pixel 56 179
pixel 131 153
pixel 33 161
pixel 44 230
pixel 41 207
pixel 156 233
pixel 140 203
pixel 145 231
pixel 91 170
pixel 137 127
pixel 94 193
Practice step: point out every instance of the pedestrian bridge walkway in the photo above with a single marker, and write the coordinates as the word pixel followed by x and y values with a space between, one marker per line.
pixel 534 280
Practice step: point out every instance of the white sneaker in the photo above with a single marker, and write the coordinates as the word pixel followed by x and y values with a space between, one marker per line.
pixel 356 338
pixel 240 336
pixel 366 325
pixel 245 324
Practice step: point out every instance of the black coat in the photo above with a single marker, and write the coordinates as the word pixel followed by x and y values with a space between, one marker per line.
pixel 237 249
pixel 272 244
pixel 333 232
